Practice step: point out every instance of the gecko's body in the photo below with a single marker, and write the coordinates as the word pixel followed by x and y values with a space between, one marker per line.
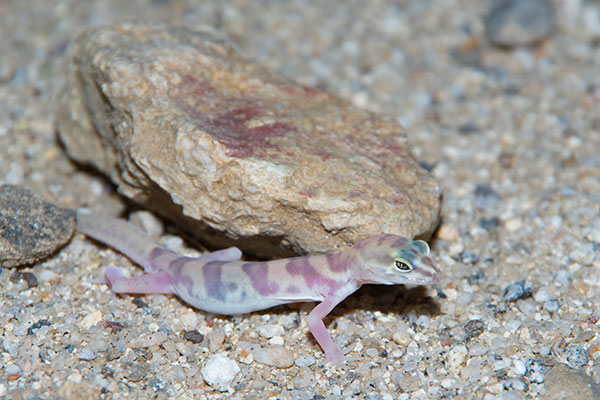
pixel 220 283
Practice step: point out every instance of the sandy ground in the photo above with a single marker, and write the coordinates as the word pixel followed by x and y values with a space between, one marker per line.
pixel 511 133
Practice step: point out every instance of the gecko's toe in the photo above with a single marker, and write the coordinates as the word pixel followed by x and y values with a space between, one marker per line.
pixel 112 275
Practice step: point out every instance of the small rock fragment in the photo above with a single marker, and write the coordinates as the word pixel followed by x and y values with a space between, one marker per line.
pixel 193 336
pixel 468 257
pixel 516 291
pixel 485 197
pixel 276 356
pixel 28 277
pixel 551 306
pixel 86 354
pixel 186 127
pixel 216 337
pixel 270 330
pixel 576 356
pixel 489 223
pixel 219 371
pixel 563 382
pixel 305 361
pixel 149 340
pixel 474 328
pixel 34 327
pixel 519 22
pixel 30 227
pixel 136 372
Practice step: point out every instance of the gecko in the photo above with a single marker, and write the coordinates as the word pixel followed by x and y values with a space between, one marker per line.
pixel 221 283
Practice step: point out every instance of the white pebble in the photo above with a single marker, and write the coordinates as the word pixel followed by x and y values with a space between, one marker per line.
pixel 270 330
pixel 519 367
pixel 448 383
pixel 12 369
pixel 86 354
pixel 47 275
pixel 513 224
pixel 287 321
pixel 543 295
pixel 173 243
pixel 593 235
pixel 456 356
pixel 219 371
pixel 371 352
pixel 276 341
pixel 305 361
pixel 149 223
pixel 276 356
pixel 551 306
pixel 149 340
pixel 563 277
pixel 423 321
pixel 91 319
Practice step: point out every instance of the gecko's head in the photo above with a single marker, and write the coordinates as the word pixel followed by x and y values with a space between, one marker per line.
pixel 391 259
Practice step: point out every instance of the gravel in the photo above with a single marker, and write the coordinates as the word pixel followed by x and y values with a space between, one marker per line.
pixel 521 192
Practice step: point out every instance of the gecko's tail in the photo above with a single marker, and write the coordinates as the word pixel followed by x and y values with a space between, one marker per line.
pixel 120 235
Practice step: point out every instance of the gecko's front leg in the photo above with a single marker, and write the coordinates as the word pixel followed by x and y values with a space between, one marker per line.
pixel 314 320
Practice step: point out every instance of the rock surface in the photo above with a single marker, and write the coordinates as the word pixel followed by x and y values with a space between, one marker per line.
pixel 30 228
pixel 186 127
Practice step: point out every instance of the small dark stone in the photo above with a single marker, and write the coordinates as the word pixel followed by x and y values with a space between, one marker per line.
pixel 140 303
pixel 16 277
pixel 489 223
pixel 485 196
pixel 468 257
pixel 519 22
pixel 427 166
pixel 107 372
pixel 468 129
pixel 516 291
pixel 477 278
pixel 30 279
pixel 114 326
pixel 511 90
pixel 193 336
pixel 474 328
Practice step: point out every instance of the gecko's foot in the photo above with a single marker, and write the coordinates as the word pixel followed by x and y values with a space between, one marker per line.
pixel 153 283
pixel 336 357
pixel 112 276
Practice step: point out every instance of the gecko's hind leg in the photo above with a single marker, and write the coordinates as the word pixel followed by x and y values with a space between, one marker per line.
pixel 155 282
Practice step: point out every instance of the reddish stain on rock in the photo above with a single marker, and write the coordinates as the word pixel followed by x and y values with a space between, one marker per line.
pixel 233 121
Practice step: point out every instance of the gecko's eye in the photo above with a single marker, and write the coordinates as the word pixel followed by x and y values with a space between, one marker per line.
pixel 402 266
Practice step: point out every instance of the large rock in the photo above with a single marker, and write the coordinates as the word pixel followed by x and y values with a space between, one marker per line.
pixel 185 126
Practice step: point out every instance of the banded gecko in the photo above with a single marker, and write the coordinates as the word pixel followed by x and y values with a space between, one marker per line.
pixel 220 283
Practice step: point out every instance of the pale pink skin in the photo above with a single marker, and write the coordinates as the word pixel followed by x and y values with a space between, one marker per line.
pixel 220 283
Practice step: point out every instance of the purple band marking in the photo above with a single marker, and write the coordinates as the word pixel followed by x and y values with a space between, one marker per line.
pixel 301 266
pixel 258 272
pixel 211 271
pixel 335 264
